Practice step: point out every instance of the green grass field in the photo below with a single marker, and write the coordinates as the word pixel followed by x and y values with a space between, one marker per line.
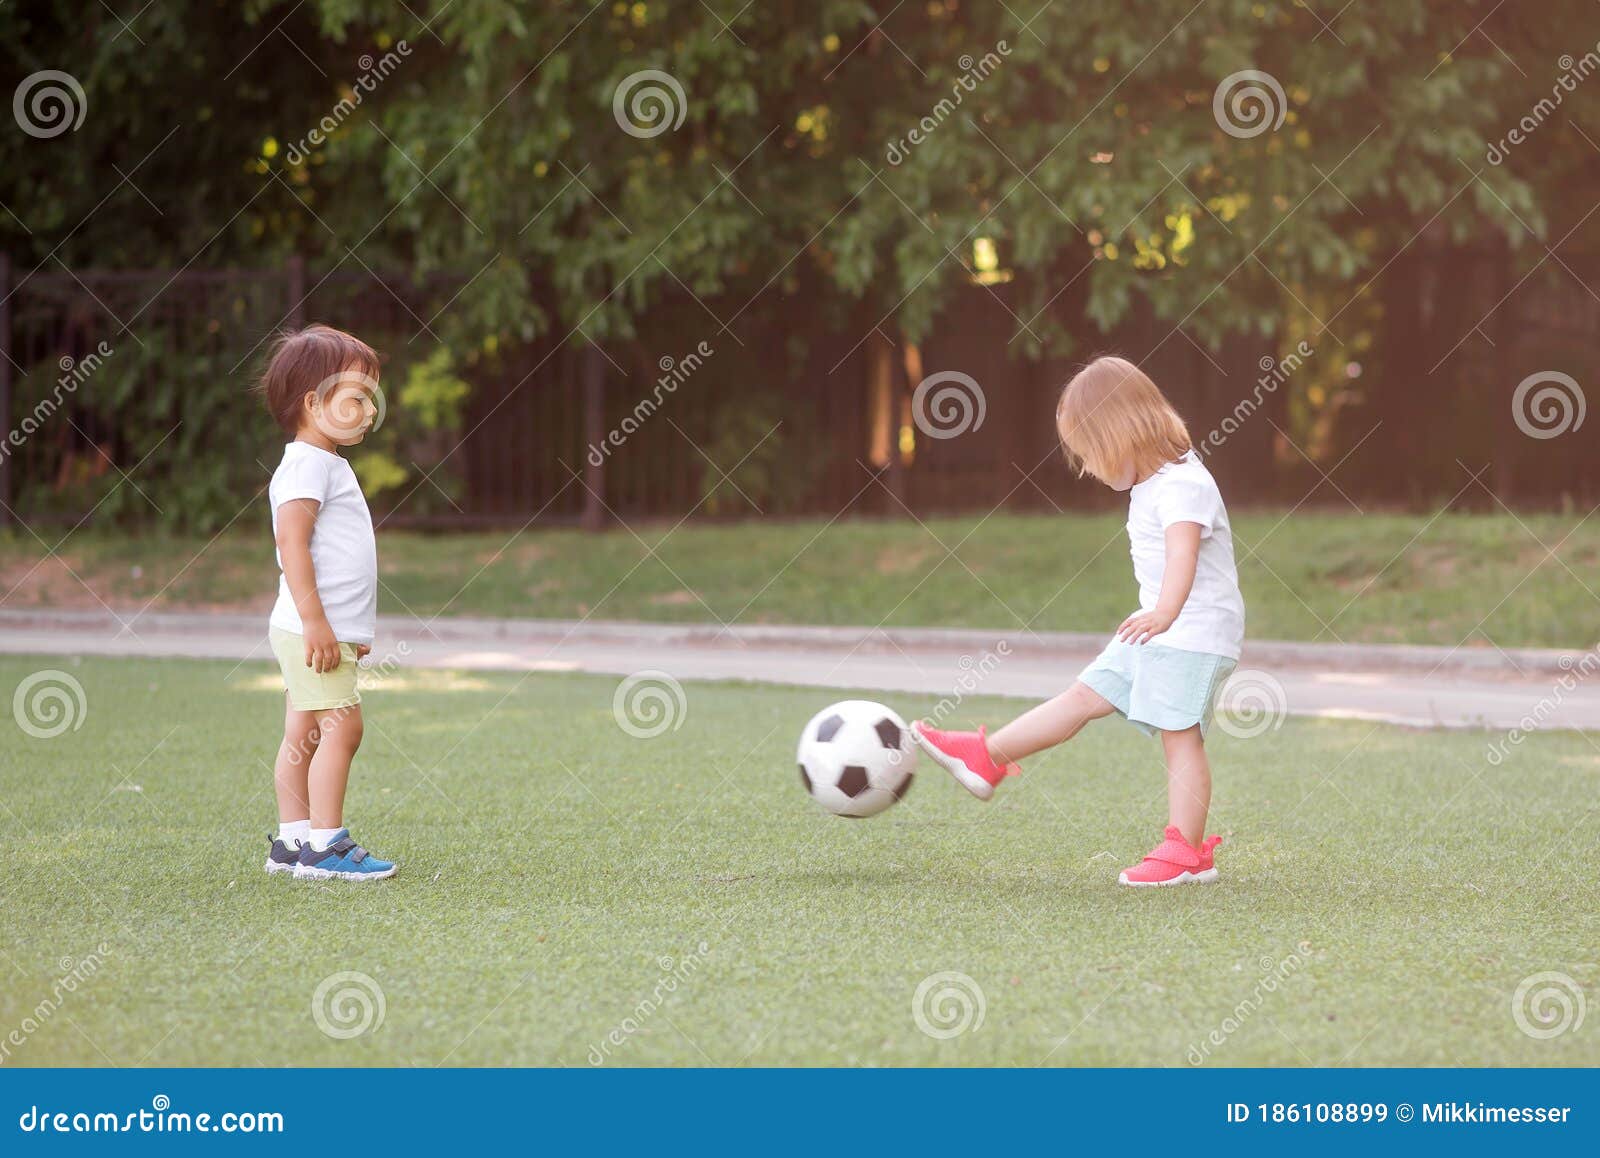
pixel 1378 578
pixel 1384 890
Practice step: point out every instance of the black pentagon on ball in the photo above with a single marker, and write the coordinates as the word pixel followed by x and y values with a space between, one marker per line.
pixel 829 728
pixel 853 781
pixel 888 732
pixel 905 786
pixel 805 777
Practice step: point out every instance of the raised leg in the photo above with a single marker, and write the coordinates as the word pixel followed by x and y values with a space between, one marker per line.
pixel 1053 722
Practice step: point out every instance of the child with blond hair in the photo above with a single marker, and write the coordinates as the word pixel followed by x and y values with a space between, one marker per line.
pixel 1166 663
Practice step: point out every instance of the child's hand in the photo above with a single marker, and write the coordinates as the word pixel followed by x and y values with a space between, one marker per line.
pixel 322 649
pixel 362 651
pixel 1139 627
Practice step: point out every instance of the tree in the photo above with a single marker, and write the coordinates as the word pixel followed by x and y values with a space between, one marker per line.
pixel 590 171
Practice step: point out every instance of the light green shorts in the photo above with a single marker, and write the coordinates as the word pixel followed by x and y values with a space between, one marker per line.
pixel 1159 688
pixel 308 690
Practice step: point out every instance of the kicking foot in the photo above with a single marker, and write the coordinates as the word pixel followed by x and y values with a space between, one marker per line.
pixel 1174 862
pixel 280 857
pixel 343 860
pixel 965 755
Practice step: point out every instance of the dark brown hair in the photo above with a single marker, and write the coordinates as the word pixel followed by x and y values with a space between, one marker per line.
pixel 300 361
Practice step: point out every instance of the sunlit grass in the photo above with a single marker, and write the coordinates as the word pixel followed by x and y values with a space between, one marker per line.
pixel 1400 884
pixel 1334 577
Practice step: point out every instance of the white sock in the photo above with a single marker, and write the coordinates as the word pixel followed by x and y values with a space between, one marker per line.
pixel 294 833
pixel 321 838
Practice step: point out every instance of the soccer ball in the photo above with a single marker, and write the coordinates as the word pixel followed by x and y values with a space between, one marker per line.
pixel 856 758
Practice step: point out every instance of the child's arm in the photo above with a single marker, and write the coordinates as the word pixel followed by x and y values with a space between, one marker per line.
pixel 296 519
pixel 1183 554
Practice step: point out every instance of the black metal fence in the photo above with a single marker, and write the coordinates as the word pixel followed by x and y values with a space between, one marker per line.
pixel 779 414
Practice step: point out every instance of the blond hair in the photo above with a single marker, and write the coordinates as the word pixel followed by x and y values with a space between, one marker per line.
pixel 1111 418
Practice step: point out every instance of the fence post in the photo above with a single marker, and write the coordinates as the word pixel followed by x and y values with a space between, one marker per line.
pixel 1504 443
pixel 593 372
pixel 904 373
pixel 297 292
pixel 5 387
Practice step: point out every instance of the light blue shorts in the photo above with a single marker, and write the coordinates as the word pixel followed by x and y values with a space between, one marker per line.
pixel 1159 689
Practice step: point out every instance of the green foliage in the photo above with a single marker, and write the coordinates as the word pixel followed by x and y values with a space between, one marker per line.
pixel 417 434
pixel 166 166
pixel 433 393
pixel 1088 156
pixel 198 447
pixel 1105 160
pixel 493 145
pixel 204 445
pixel 379 471
pixel 768 456
pixel 410 457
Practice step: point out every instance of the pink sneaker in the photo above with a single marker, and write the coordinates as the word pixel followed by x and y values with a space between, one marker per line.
pixel 1174 862
pixel 965 755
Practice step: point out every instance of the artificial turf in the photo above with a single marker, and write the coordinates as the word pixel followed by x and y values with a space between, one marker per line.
pixel 1394 885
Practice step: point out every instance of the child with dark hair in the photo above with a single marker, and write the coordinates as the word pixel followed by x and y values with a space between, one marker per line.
pixel 321 386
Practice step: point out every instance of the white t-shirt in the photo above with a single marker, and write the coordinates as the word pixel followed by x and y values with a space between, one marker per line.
pixel 343 549
pixel 1212 619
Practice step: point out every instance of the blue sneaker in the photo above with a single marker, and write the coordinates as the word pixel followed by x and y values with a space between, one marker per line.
pixel 280 857
pixel 343 860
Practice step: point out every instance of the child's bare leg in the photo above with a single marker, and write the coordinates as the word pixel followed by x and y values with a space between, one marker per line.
pixel 294 761
pixel 340 735
pixel 1052 722
pixel 1188 782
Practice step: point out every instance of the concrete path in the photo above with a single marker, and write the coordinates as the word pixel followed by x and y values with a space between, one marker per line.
pixel 1416 686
